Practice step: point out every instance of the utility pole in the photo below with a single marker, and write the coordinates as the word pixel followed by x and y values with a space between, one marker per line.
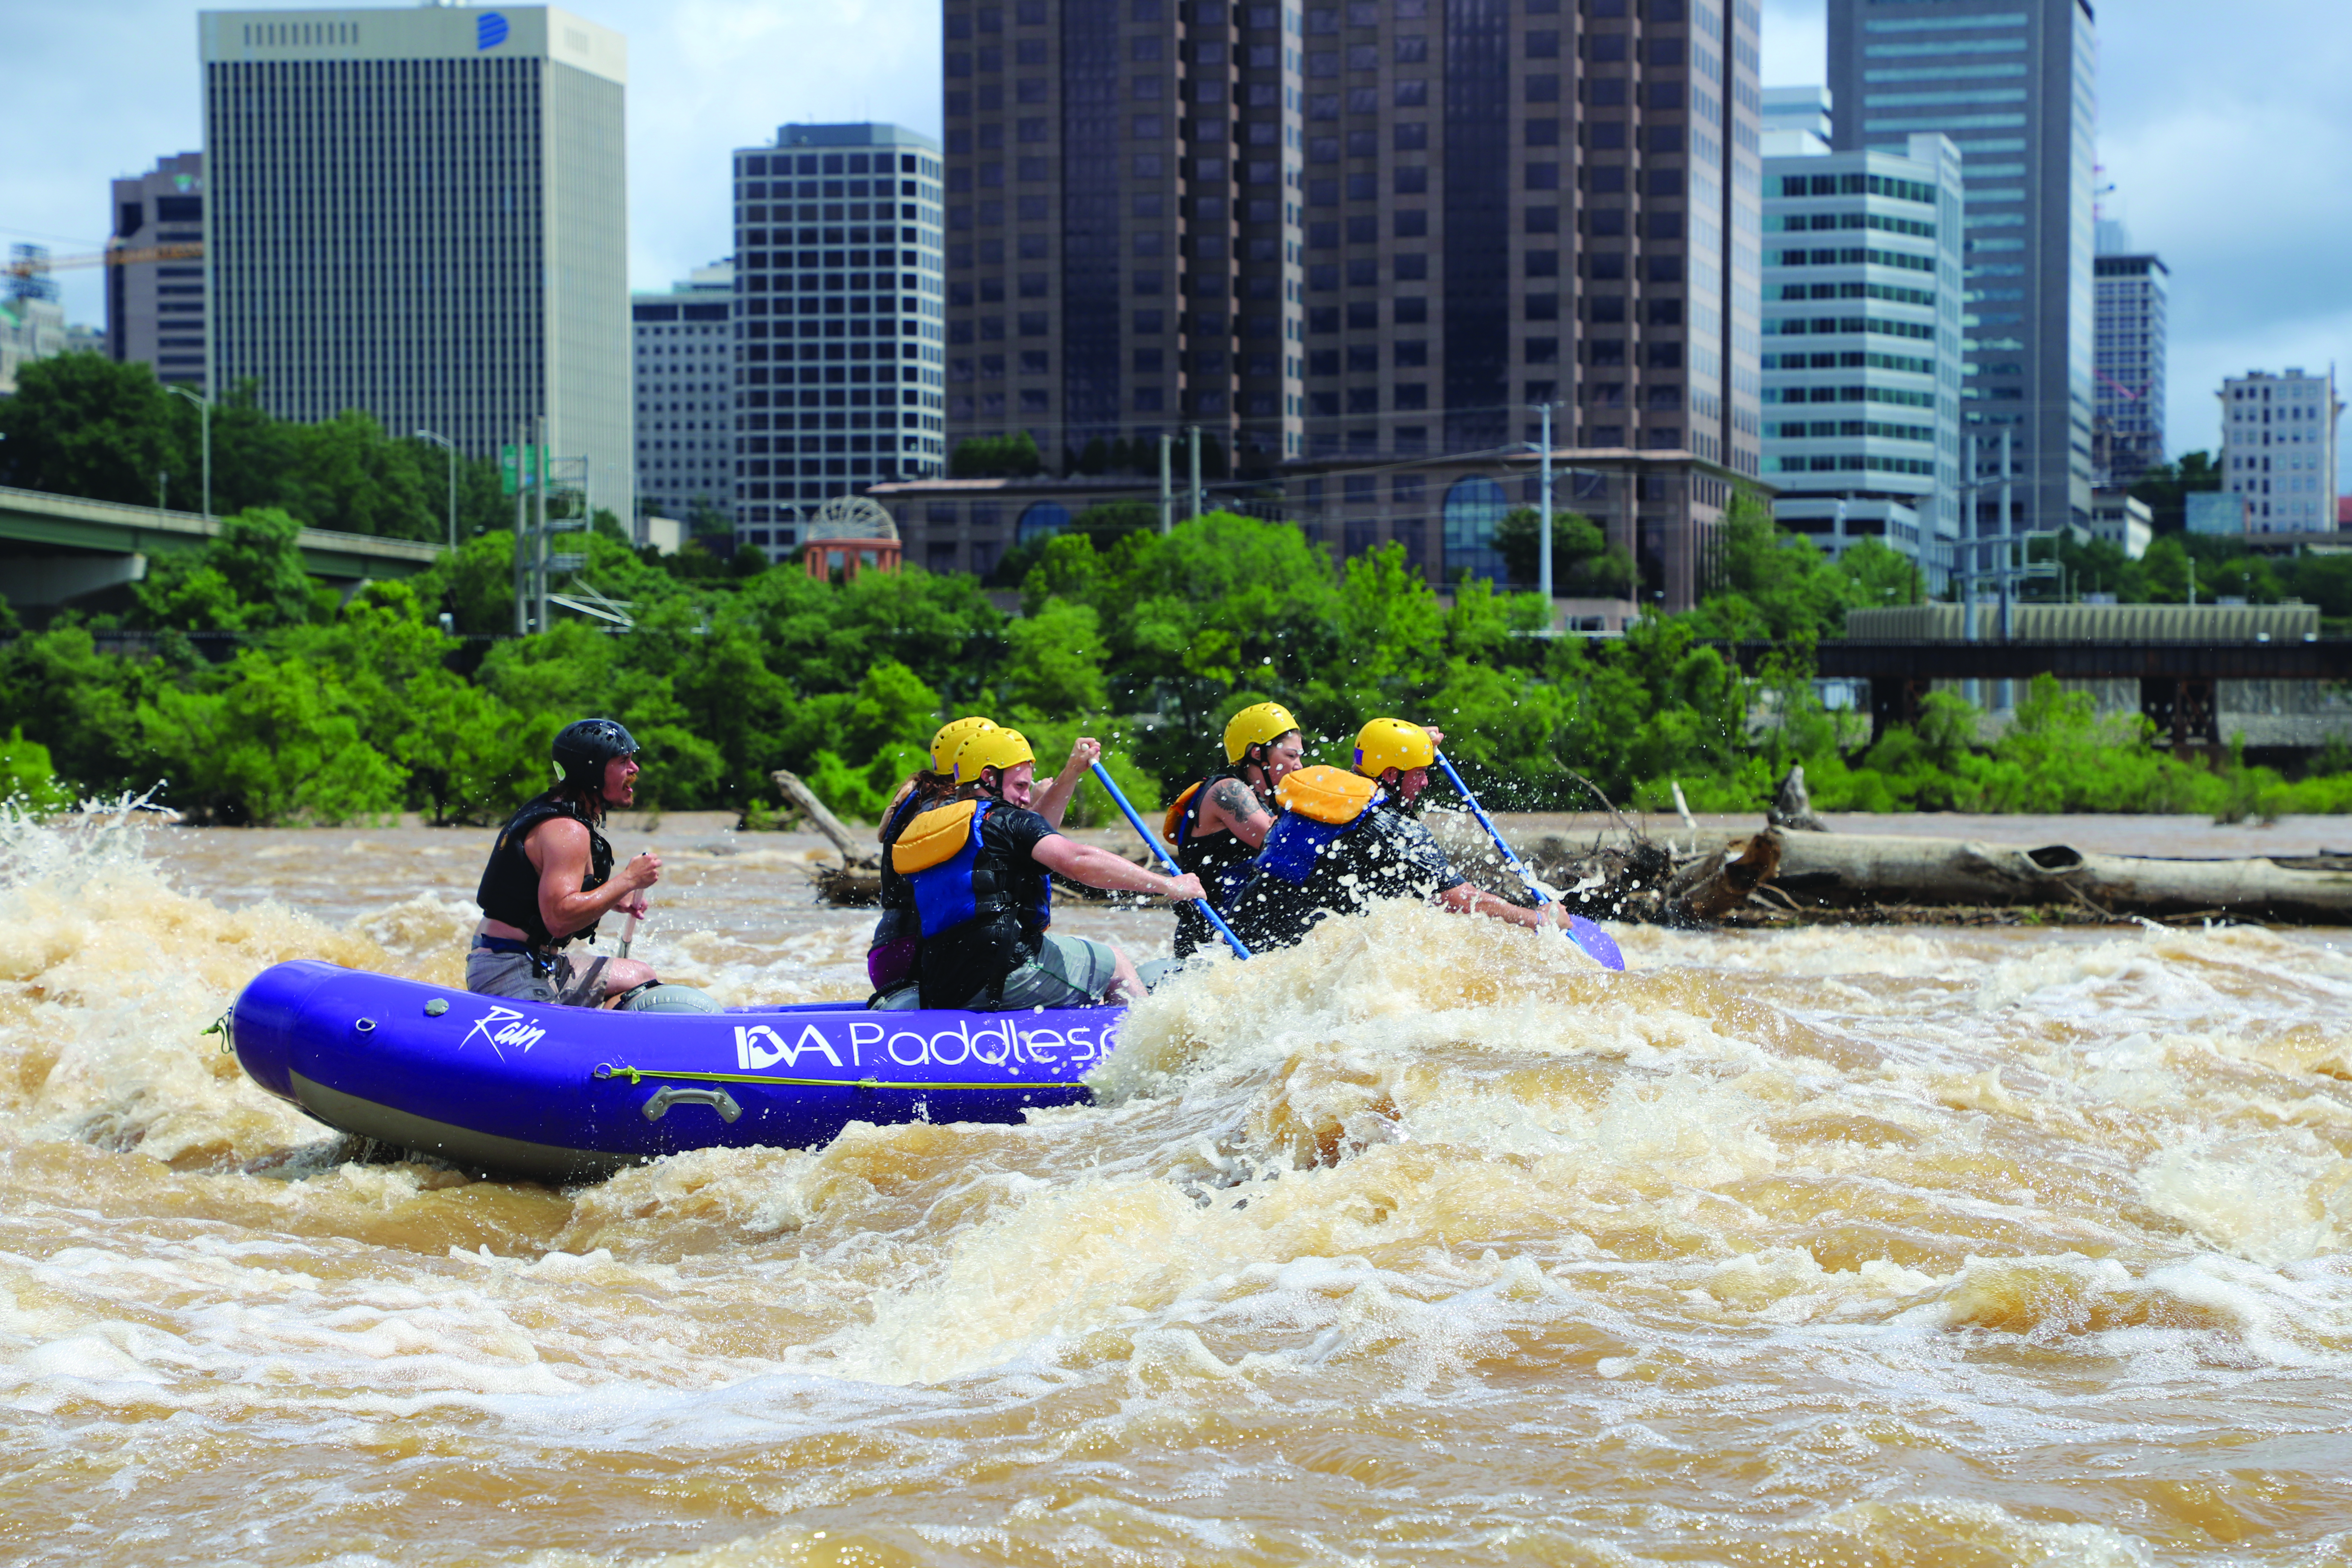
pixel 539 556
pixel 1195 433
pixel 1167 481
pixel 522 528
pixel 204 415
pixel 1543 523
pixel 449 446
pixel 2008 562
pixel 1970 526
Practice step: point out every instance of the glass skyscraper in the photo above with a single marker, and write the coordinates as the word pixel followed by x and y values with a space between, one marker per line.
pixel 423 214
pixel 1347 236
pixel 2014 84
pixel 838 320
pixel 2133 322
pixel 1862 347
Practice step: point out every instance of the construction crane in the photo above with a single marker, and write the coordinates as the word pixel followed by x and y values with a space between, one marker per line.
pixel 23 266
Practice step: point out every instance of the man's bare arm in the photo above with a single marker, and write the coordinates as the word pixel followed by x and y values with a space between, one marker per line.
pixel 560 848
pixel 1463 899
pixel 1101 868
pixel 1055 800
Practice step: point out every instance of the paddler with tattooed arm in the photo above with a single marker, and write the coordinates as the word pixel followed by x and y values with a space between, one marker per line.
pixel 1343 841
pixel 980 869
pixel 550 879
pixel 1217 825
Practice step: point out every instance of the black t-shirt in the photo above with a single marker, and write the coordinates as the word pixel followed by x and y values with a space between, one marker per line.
pixel 965 960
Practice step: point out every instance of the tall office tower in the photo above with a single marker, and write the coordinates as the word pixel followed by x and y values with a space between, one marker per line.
pixel 839 331
pixel 685 396
pixel 423 214
pixel 2013 84
pixel 1360 233
pixel 2129 358
pixel 2278 449
pixel 155 307
pixel 1862 347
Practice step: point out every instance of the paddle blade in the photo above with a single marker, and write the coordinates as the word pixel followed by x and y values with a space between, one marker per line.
pixel 1598 944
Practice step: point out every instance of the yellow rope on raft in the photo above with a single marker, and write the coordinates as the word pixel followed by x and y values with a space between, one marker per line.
pixel 638 1075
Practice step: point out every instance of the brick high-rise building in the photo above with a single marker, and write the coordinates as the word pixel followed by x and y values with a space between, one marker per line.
pixel 155 308
pixel 1365 233
pixel 2014 83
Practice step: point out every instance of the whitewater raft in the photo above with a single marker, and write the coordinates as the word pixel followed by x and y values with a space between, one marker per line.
pixel 503 1085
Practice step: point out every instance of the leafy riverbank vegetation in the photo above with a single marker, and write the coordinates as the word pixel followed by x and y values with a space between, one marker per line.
pixel 256 696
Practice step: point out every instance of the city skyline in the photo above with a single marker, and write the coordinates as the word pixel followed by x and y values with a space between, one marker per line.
pixel 2193 108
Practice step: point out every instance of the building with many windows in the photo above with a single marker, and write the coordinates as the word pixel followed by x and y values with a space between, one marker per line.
pixel 685 375
pixel 2129 363
pixel 2014 84
pixel 422 213
pixel 155 306
pixel 1345 236
pixel 839 334
pixel 2278 449
pixel 1862 347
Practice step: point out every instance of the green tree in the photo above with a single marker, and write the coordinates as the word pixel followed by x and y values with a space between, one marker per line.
pixel 1575 540
pixel 80 425
pixel 346 475
pixel 1056 661
pixel 991 456
pixel 249 576
pixel 1769 582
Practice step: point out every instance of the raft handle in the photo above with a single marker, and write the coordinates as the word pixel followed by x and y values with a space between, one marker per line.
pixel 364 1026
pixel 719 1099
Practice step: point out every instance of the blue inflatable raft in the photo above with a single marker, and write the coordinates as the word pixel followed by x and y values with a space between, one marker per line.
pixel 570 1093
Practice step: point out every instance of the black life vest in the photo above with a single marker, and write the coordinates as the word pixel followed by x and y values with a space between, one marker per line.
pixel 1317 859
pixel 510 889
pixel 981 916
pixel 1221 859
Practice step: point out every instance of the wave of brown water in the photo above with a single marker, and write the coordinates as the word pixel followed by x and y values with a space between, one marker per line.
pixel 1426 1243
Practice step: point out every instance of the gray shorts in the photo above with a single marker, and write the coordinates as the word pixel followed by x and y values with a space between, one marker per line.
pixel 1068 972
pixel 575 980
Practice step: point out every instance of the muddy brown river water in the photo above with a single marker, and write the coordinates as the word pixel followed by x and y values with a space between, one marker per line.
pixel 1425 1242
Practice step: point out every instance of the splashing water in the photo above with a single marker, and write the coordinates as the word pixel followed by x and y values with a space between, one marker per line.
pixel 1421 1243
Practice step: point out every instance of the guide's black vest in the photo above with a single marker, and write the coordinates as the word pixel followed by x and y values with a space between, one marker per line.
pixel 1220 859
pixel 510 889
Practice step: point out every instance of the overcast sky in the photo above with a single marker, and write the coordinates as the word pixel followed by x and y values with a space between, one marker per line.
pixel 2225 131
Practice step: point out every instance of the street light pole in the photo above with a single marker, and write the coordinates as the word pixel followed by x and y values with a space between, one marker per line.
pixel 449 446
pixel 204 417
pixel 1543 523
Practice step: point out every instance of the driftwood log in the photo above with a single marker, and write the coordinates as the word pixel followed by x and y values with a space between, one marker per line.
pixel 1842 869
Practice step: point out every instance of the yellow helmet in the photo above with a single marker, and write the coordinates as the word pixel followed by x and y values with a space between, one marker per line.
pixel 1386 743
pixel 991 748
pixel 1255 726
pixel 952 735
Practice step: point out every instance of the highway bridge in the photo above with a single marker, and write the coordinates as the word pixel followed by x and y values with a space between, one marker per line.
pixel 55 549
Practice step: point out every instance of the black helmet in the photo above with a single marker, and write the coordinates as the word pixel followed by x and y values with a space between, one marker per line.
pixel 584 747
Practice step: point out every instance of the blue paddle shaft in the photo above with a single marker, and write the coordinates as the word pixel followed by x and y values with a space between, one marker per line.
pixel 1102 777
pixel 1596 943
pixel 1493 832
